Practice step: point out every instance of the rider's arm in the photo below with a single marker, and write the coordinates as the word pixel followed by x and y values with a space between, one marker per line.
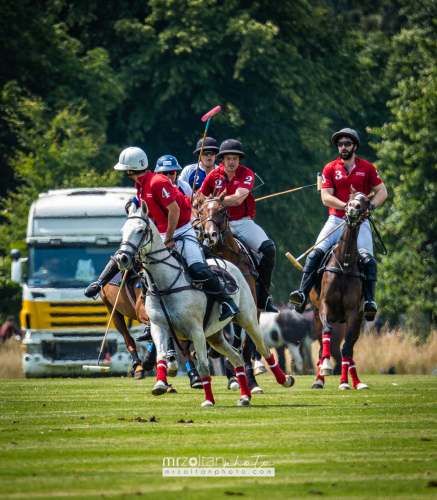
pixel 173 219
pixel 329 200
pixel 236 199
pixel 380 195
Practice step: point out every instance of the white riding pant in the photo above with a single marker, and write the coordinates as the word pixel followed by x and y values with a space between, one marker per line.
pixel 248 232
pixel 365 243
pixel 189 247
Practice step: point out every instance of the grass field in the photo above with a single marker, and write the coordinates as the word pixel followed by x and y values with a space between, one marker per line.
pixel 373 444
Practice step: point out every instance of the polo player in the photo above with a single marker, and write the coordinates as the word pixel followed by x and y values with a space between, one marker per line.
pixel 169 166
pixel 168 208
pixel 238 182
pixel 338 177
pixel 207 163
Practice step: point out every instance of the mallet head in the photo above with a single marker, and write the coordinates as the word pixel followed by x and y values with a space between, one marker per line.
pixel 211 113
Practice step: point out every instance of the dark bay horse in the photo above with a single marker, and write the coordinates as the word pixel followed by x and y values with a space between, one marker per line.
pixel 340 299
pixel 210 220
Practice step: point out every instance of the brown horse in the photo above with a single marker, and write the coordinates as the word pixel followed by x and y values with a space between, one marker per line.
pixel 340 299
pixel 210 219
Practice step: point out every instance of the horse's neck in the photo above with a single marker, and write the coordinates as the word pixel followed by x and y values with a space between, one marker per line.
pixel 163 274
pixel 347 248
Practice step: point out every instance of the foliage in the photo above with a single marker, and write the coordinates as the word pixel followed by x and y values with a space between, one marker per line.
pixel 408 164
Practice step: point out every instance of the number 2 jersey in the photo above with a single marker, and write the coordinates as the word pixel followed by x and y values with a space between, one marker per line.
pixel 363 177
pixel 158 192
pixel 217 181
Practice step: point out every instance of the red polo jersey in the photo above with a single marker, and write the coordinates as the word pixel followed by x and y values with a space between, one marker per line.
pixel 158 192
pixel 363 178
pixel 217 181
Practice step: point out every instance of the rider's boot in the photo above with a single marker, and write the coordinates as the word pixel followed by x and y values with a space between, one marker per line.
pixel 369 288
pixel 266 266
pixel 309 278
pixel 146 336
pixel 109 272
pixel 201 273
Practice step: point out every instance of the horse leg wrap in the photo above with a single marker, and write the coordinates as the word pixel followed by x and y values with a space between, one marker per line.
pixel 277 372
pixel 345 364
pixel 135 359
pixel 161 370
pixel 251 381
pixel 208 390
pixel 326 342
pixel 242 380
pixel 320 377
pixel 353 372
pixel 229 369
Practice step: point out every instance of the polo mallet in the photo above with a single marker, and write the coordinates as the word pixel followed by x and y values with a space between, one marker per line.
pixel 97 368
pixel 318 184
pixel 208 117
pixel 296 263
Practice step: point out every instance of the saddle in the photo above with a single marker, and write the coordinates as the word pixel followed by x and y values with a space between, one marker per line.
pixel 131 276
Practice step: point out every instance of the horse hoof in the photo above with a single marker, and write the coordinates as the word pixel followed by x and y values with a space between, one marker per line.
pixel 257 390
pixel 318 384
pixel 289 381
pixel 139 374
pixel 325 368
pixel 160 388
pixel 170 390
pixel 233 384
pixel 243 401
pixel 206 404
pixel 259 368
pixel 344 386
pixel 172 368
pixel 361 386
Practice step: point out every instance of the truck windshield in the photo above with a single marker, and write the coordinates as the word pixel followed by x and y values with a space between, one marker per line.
pixel 66 267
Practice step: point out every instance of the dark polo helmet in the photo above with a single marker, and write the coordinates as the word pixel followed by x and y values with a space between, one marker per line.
pixel 231 147
pixel 346 132
pixel 210 145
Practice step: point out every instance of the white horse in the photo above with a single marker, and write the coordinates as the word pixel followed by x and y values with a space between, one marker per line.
pixel 186 308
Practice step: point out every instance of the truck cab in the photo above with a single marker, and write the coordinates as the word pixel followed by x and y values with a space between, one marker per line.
pixel 71 235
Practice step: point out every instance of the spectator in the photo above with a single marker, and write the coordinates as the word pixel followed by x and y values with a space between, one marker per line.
pixel 8 329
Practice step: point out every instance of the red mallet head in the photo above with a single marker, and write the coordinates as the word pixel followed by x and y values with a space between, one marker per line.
pixel 211 113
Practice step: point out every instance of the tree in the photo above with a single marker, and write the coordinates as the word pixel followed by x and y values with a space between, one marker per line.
pixel 407 162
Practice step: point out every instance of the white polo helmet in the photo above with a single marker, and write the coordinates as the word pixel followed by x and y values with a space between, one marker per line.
pixel 132 159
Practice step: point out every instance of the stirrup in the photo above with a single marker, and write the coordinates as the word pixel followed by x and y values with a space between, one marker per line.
pixel 298 299
pixel 370 309
pixel 228 311
pixel 91 291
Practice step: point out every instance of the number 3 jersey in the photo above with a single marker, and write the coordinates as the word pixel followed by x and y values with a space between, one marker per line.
pixel 158 192
pixel 217 181
pixel 363 177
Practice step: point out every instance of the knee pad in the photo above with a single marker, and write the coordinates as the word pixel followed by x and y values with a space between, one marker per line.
pixel 370 267
pixel 313 260
pixel 268 249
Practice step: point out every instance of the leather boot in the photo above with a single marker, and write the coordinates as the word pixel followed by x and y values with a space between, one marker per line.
pixel 299 297
pixel 108 273
pixel 146 336
pixel 266 266
pixel 369 287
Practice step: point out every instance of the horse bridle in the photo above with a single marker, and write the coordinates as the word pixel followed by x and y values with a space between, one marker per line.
pixel 225 219
pixel 361 215
pixel 142 243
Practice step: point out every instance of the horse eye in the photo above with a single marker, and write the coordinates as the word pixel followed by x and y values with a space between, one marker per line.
pixel 139 230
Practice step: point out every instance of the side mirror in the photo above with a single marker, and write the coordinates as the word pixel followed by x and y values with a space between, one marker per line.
pixel 16 266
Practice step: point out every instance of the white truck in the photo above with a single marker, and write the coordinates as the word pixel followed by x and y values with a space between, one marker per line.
pixel 70 236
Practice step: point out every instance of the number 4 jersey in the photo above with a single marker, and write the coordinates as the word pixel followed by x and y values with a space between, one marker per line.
pixel 158 192
pixel 217 181
pixel 363 177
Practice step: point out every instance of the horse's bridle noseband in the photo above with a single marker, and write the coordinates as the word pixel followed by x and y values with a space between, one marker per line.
pixel 137 248
pixel 225 219
pixel 360 215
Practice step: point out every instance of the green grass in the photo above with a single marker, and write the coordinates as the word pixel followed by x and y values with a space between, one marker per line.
pixel 373 444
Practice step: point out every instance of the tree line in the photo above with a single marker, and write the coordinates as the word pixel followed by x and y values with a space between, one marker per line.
pixel 83 80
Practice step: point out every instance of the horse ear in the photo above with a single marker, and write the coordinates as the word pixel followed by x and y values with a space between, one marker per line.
pixel 353 190
pixel 222 196
pixel 201 196
pixel 371 195
pixel 144 209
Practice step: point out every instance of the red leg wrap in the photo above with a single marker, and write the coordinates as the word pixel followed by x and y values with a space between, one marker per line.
pixel 161 371
pixel 326 342
pixel 242 380
pixel 277 372
pixel 353 372
pixel 320 377
pixel 208 390
pixel 345 364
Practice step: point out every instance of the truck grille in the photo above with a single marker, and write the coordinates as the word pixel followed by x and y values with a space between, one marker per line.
pixel 78 315
pixel 61 351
